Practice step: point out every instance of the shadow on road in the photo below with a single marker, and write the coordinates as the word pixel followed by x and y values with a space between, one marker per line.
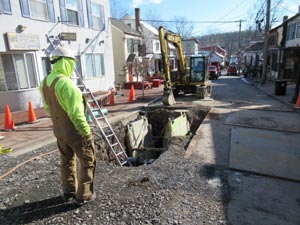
pixel 34 211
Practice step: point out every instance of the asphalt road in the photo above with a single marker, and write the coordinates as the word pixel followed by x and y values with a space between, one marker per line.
pixel 254 198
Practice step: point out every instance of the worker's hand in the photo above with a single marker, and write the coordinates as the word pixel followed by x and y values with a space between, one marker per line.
pixel 88 140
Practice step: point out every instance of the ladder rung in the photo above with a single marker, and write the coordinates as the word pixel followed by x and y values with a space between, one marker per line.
pixel 110 135
pixel 124 162
pixel 95 109
pixel 120 153
pixel 112 145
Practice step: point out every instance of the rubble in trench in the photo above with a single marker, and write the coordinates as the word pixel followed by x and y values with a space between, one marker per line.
pixel 151 132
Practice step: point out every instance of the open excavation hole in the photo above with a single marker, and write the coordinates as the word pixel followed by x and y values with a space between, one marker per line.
pixel 148 134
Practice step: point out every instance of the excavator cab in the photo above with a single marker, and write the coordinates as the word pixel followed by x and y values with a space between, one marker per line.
pixel 197 70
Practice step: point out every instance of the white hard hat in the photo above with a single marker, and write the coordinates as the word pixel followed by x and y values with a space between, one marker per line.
pixel 63 52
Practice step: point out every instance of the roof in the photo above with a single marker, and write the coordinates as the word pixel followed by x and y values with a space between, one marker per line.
pixel 144 24
pixel 130 59
pixel 124 27
pixel 192 39
pixel 258 46
pixel 215 48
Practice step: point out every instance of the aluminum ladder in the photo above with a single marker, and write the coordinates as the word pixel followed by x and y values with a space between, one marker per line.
pixel 101 123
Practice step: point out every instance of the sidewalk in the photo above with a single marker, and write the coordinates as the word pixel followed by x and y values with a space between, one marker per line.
pixel 27 137
pixel 269 89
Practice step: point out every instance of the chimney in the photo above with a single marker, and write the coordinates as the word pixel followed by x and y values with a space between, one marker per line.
pixel 285 18
pixel 137 19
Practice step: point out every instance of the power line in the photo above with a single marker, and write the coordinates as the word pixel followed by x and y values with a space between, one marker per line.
pixel 176 21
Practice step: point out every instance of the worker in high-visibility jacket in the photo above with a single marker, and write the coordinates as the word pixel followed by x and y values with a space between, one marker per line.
pixel 64 102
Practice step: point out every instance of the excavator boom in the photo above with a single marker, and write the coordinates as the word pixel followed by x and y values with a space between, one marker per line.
pixel 164 38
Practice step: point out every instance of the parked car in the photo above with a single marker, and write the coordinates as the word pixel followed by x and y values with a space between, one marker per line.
pixel 231 70
pixel 213 72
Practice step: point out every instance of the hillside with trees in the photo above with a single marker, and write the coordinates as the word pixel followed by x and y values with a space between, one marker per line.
pixel 230 40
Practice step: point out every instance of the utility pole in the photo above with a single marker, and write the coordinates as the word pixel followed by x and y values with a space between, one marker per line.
pixel 239 52
pixel 267 29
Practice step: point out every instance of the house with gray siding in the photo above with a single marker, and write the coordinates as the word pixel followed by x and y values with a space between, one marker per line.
pixel 31 29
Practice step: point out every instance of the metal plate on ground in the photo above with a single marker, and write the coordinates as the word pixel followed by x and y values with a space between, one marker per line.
pixel 284 121
pixel 265 152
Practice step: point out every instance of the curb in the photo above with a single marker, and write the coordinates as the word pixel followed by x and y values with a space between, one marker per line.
pixel 273 96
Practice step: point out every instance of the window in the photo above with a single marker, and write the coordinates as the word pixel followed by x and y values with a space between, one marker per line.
pixel 94 65
pixel 298 30
pixel 19 71
pixel 38 9
pixel 5 7
pixel 291 31
pixel 157 47
pixel 46 64
pixel 133 45
pixel 95 13
pixel 71 12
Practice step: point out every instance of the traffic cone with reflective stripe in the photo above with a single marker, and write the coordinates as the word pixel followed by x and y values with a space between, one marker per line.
pixel 31 114
pixel 298 101
pixel 131 94
pixel 9 122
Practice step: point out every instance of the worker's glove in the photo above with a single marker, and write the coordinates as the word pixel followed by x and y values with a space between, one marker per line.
pixel 88 141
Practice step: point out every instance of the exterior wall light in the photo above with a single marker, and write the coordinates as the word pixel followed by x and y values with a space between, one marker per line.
pixel 21 28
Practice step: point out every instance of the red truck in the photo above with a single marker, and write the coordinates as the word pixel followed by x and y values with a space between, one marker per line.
pixel 218 65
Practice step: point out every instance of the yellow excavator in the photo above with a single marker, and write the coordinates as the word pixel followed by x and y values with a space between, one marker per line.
pixel 186 79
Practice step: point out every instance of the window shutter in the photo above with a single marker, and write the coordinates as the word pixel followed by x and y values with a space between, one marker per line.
pixel 102 17
pixel 51 12
pixel 89 13
pixel 81 14
pixel 63 14
pixel 25 8
pixel 5 7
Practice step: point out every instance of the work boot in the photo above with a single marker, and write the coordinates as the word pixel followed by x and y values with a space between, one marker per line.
pixel 67 197
pixel 80 202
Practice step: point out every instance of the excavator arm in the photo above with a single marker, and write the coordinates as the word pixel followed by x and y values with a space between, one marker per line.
pixel 166 37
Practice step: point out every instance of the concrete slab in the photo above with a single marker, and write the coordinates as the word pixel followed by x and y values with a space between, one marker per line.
pixel 274 120
pixel 262 200
pixel 211 141
pixel 265 152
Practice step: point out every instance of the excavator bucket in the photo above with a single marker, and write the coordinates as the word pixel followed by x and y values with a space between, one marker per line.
pixel 168 97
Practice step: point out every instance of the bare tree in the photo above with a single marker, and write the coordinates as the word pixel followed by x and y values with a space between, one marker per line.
pixel 153 18
pixel 116 11
pixel 182 27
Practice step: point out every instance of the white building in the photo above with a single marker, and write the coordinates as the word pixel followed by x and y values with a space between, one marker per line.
pixel 30 29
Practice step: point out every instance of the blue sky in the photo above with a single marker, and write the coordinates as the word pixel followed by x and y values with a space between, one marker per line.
pixel 205 11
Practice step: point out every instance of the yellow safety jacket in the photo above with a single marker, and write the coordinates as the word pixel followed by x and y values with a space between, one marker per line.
pixel 68 94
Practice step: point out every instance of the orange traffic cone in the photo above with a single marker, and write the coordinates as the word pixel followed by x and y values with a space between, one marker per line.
pixel 131 94
pixel 31 114
pixel 9 122
pixel 112 98
pixel 298 101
